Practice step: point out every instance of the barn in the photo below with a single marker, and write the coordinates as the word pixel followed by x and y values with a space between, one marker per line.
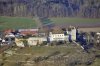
pixel 28 31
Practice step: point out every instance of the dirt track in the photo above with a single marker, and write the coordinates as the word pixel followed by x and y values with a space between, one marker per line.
pixel 88 29
pixel 84 26
pixel 81 24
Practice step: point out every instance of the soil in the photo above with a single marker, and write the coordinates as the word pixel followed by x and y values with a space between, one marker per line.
pixel 90 29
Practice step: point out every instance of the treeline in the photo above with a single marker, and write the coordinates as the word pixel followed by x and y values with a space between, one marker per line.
pixel 50 8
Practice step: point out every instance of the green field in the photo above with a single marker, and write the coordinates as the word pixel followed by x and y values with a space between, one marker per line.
pixel 16 23
pixel 22 22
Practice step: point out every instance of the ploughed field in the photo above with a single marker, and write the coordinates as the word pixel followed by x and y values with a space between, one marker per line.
pixel 81 22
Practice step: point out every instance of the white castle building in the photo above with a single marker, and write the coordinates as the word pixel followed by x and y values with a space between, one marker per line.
pixel 62 37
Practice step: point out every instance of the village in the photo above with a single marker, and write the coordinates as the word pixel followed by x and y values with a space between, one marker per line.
pixel 49 32
pixel 32 47
pixel 33 37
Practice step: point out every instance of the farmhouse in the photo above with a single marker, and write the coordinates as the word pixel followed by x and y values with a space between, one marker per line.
pixel 36 40
pixel 8 31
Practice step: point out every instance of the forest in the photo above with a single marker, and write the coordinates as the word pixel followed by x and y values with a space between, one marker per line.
pixel 50 8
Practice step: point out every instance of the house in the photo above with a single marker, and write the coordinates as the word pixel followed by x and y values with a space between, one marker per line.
pixel 10 38
pixel 36 40
pixel 19 42
pixel 8 31
pixel 9 35
pixel 59 35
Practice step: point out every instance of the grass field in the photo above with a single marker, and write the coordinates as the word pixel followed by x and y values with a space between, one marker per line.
pixel 21 22
pixel 16 23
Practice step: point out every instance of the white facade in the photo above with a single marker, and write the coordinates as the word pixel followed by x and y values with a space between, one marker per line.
pixel 36 40
pixel 73 34
pixel 19 43
pixel 62 37
pixel 10 35
pixel 57 37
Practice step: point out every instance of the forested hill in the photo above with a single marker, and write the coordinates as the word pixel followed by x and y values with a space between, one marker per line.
pixel 50 8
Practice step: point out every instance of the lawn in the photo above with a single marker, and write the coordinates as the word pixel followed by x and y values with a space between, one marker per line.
pixel 16 23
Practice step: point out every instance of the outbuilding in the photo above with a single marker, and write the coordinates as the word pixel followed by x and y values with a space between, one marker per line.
pixel 36 40
pixel 19 42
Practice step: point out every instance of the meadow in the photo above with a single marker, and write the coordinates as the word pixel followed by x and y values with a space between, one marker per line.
pixel 23 22
pixel 16 23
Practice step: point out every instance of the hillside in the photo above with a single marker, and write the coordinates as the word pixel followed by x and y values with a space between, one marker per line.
pixel 62 55
pixel 51 8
